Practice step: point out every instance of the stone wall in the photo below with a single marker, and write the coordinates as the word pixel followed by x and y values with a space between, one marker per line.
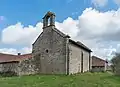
pixel 85 61
pixel 23 67
pixel 98 69
pixel 75 59
pixel 26 67
pixel 9 67
pixel 49 52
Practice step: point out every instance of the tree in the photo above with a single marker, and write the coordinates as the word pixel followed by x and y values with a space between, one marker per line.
pixel 116 64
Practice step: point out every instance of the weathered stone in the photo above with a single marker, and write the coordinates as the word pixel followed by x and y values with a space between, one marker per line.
pixel 10 68
pixel 26 67
pixel 54 54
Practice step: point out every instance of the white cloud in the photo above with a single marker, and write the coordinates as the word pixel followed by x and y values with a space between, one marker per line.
pixel 18 34
pixel 24 50
pixel 117 2
pixel 66 28
pixel 98 25
pixel 8 50
pixel 99 3
pixel 98 30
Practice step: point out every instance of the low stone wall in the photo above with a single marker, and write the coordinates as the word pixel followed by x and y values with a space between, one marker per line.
pixel 26 67
pixel 9 68
pixel 98 69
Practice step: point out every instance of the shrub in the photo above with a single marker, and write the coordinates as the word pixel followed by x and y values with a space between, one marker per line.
pixel 8 73
pixel 116 64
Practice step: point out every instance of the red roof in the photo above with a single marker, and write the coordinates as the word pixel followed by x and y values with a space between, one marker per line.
pixel 98 61
pixel 10 57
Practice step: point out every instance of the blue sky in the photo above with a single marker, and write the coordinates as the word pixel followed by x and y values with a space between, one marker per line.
pixel 29 12
pixel 21 13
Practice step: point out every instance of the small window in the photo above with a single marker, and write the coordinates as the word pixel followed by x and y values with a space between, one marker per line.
pixel 46 51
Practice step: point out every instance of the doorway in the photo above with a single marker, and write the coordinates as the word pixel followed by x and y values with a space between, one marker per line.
pixel 81 62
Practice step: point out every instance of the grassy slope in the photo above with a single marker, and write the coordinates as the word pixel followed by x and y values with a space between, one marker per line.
pixel 84 80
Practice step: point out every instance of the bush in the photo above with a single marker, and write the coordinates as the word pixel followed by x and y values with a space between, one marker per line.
pixel 8 74
pixel 116 64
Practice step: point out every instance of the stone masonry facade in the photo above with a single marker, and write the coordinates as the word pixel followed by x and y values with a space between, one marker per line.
pixel 53 52
pixel 24 67
pixel 75 60
pixel 50 52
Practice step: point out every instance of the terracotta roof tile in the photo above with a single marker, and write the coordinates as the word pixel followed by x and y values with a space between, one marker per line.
pixel 98 61
pixel 78 43
pixel 10 57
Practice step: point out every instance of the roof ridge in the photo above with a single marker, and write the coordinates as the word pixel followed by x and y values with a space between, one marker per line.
pixel 81 45
pixel 98 58
pixel 59 32
pixel 25 54
pixel 8 54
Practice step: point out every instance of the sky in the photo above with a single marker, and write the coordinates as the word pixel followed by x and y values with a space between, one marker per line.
pixel 93 22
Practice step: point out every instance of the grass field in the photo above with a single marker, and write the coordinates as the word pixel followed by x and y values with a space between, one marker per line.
pixel 83 80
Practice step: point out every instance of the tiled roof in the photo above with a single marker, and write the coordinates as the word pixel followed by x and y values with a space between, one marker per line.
pixel 23 57
pixel 98 61
pixel 67 36
pixel 60 33
pixel 10 57
pixel 80 45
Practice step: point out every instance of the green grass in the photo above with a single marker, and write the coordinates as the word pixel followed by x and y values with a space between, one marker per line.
pixel 83 80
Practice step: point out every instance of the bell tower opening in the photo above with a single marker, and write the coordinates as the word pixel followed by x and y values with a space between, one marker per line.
pixel 49 19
